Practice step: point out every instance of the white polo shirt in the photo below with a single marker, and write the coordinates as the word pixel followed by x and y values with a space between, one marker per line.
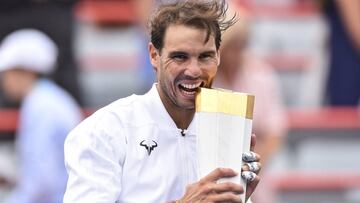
pixel 130 151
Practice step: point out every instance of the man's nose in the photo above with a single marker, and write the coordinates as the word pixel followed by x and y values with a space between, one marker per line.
pixel 193 69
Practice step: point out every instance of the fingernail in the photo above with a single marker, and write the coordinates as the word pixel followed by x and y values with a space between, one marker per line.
pixel 249 156
pixel 253 166
pixel 248 176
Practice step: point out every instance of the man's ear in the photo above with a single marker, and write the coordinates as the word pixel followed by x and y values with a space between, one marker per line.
pixel 154 56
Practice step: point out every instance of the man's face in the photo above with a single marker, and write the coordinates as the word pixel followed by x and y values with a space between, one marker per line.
pixel 15 82
pixel 185 63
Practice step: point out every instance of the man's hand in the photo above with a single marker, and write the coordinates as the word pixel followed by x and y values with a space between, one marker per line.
pixel 251 168
pixel 207 190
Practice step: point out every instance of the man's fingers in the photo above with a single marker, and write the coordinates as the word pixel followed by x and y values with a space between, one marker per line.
pixel 250 157
pixel 251 187
pixel 252 180
pixel 217 174
pixel 252 166
pixel 224 187
pixel 248 176
pixel 224 197
pixel 252 142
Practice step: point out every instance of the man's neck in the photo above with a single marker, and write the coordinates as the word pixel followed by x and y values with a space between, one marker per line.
pixel 181 117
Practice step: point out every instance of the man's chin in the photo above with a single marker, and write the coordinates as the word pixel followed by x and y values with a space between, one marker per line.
pixel 187 106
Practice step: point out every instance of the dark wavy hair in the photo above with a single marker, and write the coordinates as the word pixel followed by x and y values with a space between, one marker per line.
pixel 208 15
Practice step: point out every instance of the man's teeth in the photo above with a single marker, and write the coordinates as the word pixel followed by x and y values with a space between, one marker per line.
pixel 191 86
pixel 189 93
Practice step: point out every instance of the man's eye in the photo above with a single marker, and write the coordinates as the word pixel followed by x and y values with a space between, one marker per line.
pixel 179 57
pixel 205 56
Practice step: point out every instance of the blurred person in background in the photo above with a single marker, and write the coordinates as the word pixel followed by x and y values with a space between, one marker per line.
pixel 56 19
pixel 343 86
pixel 143 10
pixel 47 114
pixel 240 71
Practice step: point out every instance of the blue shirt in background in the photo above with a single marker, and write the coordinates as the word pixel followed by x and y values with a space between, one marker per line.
pixel 47 115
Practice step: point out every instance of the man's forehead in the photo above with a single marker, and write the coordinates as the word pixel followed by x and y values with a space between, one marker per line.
pixel 188 38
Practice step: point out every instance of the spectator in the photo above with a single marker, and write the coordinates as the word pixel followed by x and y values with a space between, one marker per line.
pixel 147 76
pixel 56 19
pixel 344 74
pixel 47 114
pixel 240 71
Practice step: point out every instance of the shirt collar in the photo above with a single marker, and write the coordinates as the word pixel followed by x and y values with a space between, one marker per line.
pixel 156 107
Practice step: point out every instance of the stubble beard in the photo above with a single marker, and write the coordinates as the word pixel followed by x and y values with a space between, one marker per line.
pixel 170 95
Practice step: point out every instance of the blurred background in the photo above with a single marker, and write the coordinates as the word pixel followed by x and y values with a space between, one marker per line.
pixel 311 47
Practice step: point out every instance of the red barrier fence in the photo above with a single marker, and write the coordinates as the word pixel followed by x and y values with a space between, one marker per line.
pixel 321 118
pixel 124 11
pixel 324 118
pixel 106 11
pixel 336 180
pixel 8 120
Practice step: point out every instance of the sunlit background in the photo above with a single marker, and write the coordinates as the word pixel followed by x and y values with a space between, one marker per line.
pixel 103 57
